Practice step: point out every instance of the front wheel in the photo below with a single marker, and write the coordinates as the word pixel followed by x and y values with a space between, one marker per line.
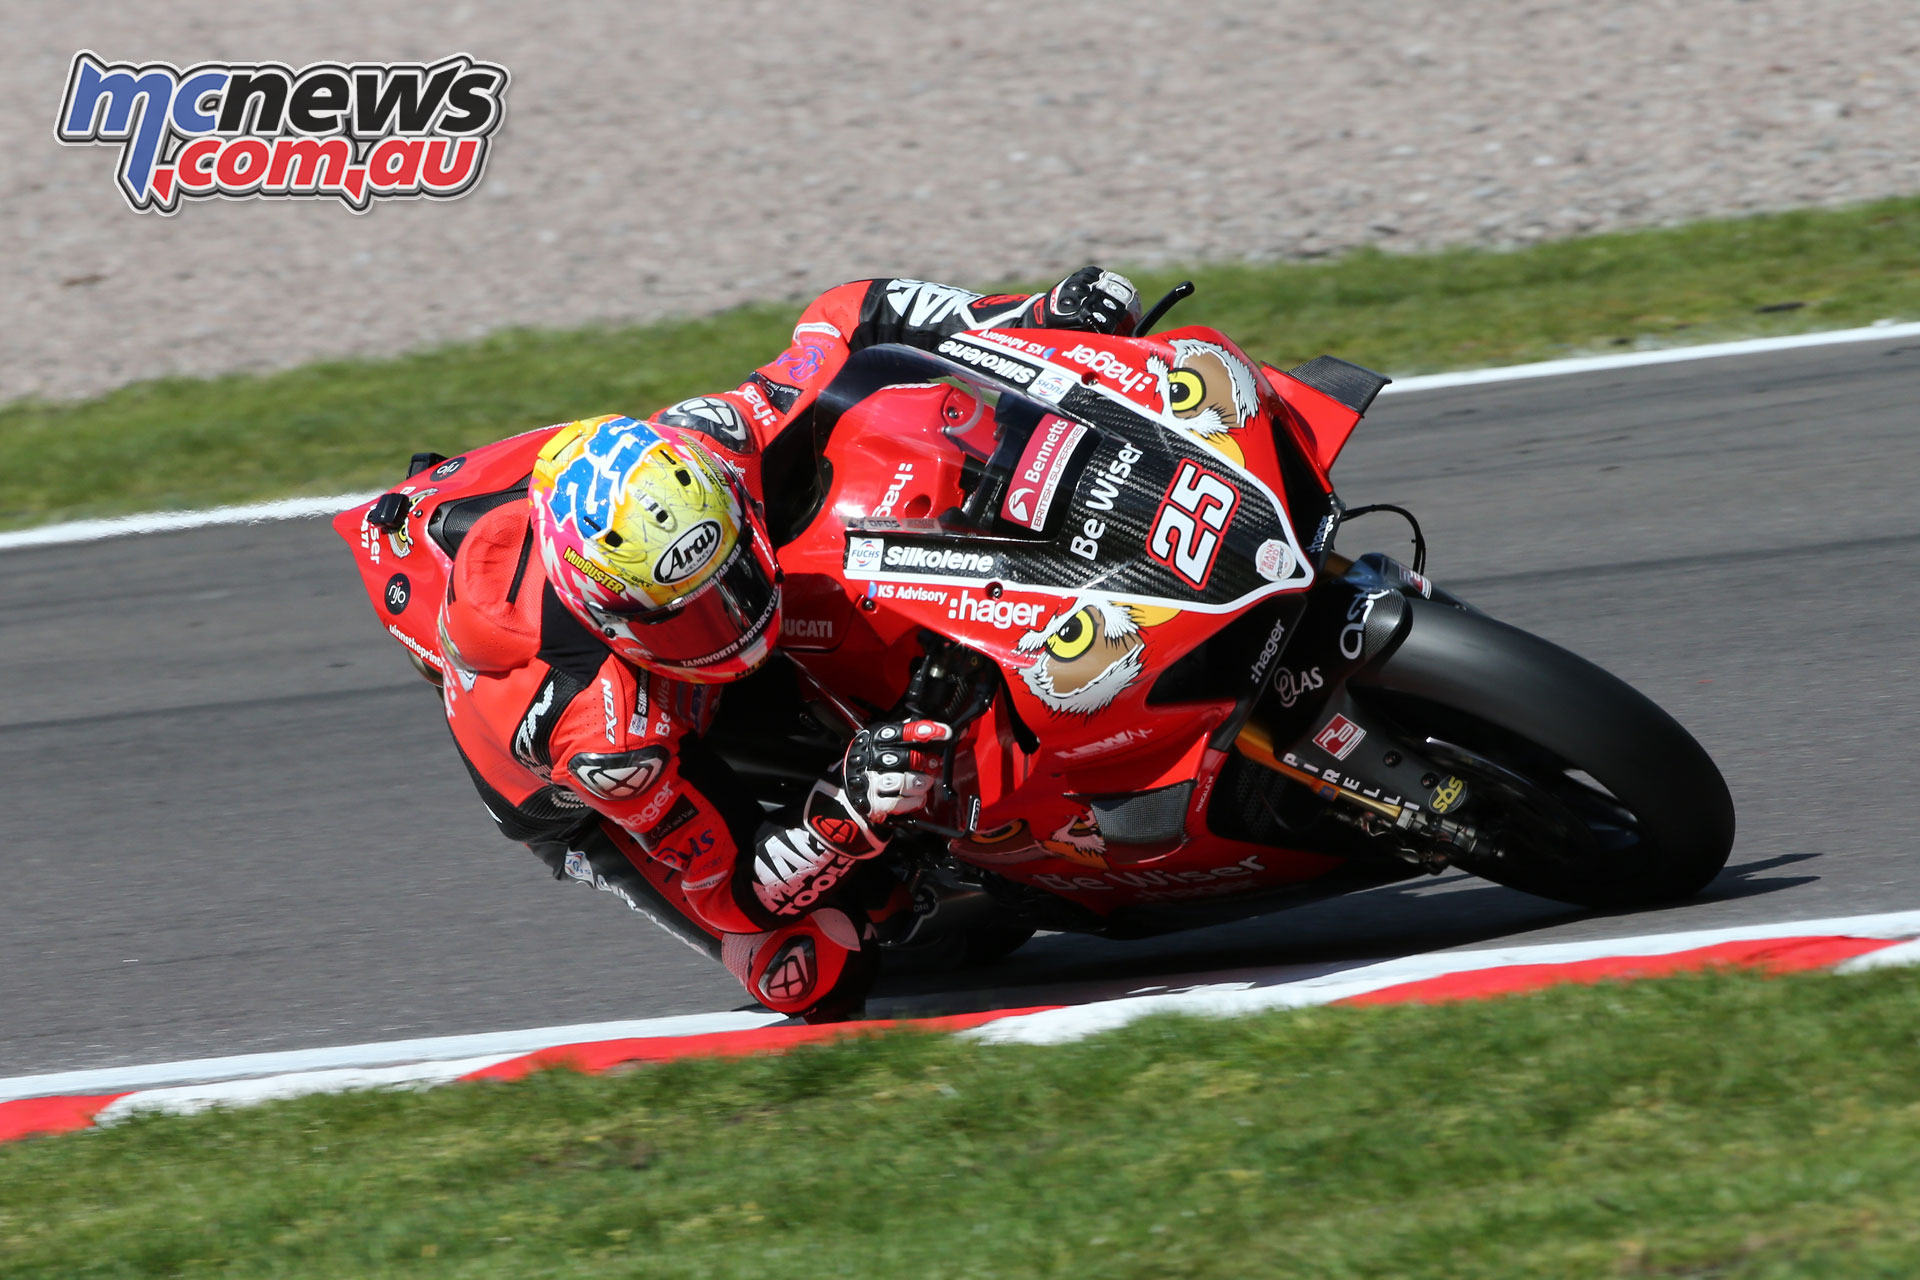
pixel 1583 789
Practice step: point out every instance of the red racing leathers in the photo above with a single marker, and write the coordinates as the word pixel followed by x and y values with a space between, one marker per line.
pixel 557 731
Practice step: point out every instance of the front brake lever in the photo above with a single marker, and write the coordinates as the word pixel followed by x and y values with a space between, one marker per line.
pixel 1182 290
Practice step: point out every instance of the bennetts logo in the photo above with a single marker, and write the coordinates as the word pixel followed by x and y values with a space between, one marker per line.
pixel 245 130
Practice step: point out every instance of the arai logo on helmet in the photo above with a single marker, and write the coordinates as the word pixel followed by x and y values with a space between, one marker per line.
pixel 689 553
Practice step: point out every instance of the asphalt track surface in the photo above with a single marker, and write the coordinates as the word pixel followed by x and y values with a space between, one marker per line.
pixel 232 822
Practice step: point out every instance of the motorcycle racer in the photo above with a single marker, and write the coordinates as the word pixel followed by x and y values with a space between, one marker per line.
pixel 589 629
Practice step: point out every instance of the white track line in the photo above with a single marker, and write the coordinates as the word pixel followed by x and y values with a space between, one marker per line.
pixel 1233 999
pixel 306 508
pixel 403 1057
pixel 1901 956
pixel 1884 331
pixel 381 1054
pixel 187 1099
pixel 169 521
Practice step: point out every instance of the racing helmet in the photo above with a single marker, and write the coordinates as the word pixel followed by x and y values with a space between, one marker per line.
pixel 655 544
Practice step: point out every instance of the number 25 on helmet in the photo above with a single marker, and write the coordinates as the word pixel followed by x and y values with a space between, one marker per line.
pixel 652 542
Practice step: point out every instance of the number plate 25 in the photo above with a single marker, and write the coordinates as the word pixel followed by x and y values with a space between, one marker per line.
pixel 1191 522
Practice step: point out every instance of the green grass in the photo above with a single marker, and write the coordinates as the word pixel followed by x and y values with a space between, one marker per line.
pixel 330 427
pixel 1726 1125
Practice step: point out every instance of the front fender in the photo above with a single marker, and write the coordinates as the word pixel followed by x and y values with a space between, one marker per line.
pixel 1345 628
pixel 1532 688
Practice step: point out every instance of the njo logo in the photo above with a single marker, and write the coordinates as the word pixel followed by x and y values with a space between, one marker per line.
pixel 262 129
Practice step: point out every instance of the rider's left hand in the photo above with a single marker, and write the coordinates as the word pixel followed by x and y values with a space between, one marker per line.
pixel 1092 299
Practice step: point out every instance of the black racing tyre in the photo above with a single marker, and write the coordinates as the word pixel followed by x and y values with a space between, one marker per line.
pixel 969 946
pixel 1591 793
pixel 996 940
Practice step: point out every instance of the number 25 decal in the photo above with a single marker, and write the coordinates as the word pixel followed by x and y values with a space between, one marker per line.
pixel 1193 515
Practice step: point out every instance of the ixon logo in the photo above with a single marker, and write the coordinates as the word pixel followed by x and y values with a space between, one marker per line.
pixel 241 131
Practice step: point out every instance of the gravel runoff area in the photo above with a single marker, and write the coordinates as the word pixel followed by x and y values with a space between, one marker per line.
pixel 671 158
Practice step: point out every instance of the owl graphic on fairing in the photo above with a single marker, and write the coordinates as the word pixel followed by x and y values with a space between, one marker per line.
pixel 1209 391
pixel 1088 654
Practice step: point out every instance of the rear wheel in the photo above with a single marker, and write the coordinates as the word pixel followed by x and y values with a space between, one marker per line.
pixel 970 946
pixel 1584 790
pixel 987 943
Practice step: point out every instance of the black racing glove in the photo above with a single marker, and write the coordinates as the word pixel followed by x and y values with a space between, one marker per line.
pixel 892 767
pixel 1092 300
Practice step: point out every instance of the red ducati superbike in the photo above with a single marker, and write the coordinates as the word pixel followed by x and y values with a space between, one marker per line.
pixel 1111 562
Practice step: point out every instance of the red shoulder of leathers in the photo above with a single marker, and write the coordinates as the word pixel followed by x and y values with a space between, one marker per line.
pixel 492 619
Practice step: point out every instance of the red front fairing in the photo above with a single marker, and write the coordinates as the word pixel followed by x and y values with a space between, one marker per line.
pixel 1080 635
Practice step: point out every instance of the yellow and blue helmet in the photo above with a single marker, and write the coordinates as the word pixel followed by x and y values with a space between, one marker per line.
pixel 653 542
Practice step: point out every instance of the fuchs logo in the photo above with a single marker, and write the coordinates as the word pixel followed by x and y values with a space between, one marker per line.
pixel 240 130
pixel 688 554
